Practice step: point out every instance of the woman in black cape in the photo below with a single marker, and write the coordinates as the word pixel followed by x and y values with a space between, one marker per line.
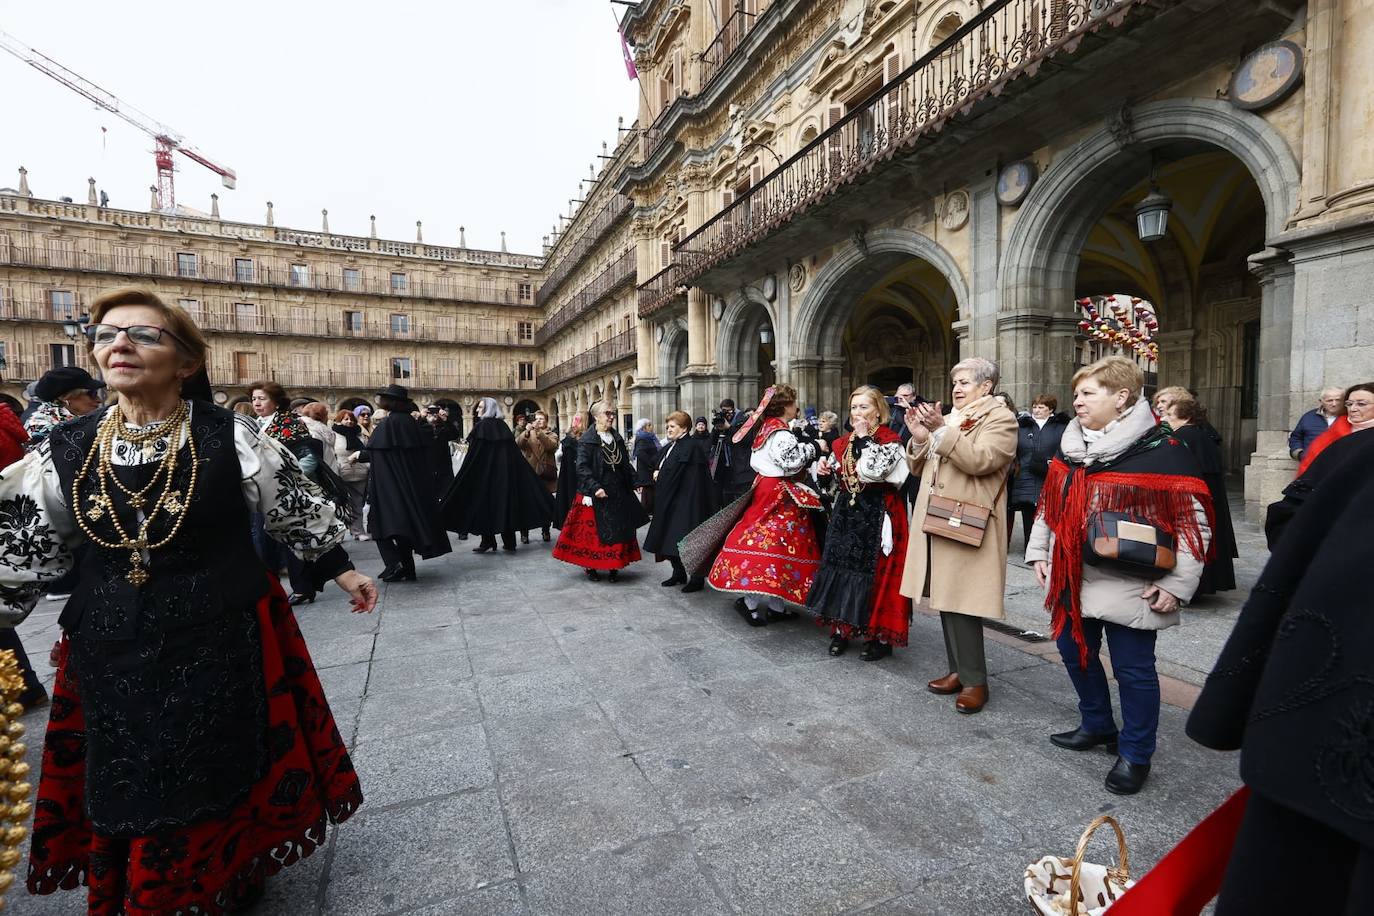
pixel 601 530
pixel 402 516
pixel 1293 689
pixel 685 497
pixel 1188 420
pixel 567 471
pixel 496 491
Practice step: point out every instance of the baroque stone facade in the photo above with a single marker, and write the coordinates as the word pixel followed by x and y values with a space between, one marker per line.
pixel 865 191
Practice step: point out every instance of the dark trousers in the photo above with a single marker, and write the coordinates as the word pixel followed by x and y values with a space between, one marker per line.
pixel 1337 875
pixel 964 648
pixel 507 540
pixel 268 550
pixel 1027 511
pixel 397 553
pixel 1133 665
pixel 33 687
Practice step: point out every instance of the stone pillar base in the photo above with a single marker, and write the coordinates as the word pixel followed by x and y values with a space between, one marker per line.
pixel 1269 471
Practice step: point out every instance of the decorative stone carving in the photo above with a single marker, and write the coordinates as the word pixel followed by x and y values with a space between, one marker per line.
pixel 1121 127
pixel 954 211
pixel 1015 182
pixel 770 288
pixel 796 276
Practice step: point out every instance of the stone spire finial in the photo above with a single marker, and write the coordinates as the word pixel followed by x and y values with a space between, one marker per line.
pixel 24 183
pixel 620 125
pixel 462 237
pixel 605 147
pixel 503 241
pixel 269 214
pixel 214 206
pixel 591 170
pixel 90 191
pixel 152 205
pixel 419 234
pixel 373 220
pixel 324 221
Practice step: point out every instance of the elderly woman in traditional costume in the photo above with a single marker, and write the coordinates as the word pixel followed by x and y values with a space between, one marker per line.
pixel 601 532
pixel 1119 545
pixel 962 460
pixel 857 591
pixel 190 752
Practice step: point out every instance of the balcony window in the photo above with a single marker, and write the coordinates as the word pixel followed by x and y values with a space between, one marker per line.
pixel 400 325
pixel 246 316
pixel 352 279
pixel 398 282
pixel 186 264
pixel 446 327
pixel 4 355
pixel 526 329
pixel 243 270
pixel 63 304
pixel 300 274
pixel 353 322
pixel 527 372
pixel 192 308
pixel 526 292
pixel 62 355
pixel 400 367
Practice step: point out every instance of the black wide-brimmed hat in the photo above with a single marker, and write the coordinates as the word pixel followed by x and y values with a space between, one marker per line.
pixel 57 382
pixel 394 391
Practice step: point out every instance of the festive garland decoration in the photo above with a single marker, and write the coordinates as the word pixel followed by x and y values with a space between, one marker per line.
pixel 1110 320
pixel 15 806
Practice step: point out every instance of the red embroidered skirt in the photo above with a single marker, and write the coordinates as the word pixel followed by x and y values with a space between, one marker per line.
pixel 772 549
pixel 580 545
pixel 198 869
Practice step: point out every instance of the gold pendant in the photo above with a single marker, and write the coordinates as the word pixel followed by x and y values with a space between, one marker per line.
pixel 172 503
pixel 136 502
pixel 96 510
pixel 137 574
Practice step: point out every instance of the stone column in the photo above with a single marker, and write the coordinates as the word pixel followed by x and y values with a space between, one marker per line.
pixel 1036 355
pixel 980 312
pixel 1176 357
pixel 819 381
pixel 698 330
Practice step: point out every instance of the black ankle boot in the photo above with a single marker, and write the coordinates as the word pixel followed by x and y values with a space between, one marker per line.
pixel 1127 778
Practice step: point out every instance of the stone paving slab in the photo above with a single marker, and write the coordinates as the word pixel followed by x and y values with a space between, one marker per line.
pixel 534 743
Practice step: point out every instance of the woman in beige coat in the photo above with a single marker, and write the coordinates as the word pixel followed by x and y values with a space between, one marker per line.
pixel 963 456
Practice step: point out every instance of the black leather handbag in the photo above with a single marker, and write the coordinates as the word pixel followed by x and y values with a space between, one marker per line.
pixel 1129 544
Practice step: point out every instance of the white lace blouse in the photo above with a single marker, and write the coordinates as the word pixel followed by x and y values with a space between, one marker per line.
pixel 37 529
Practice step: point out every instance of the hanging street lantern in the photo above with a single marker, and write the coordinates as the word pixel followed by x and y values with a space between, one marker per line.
pixel 1152 215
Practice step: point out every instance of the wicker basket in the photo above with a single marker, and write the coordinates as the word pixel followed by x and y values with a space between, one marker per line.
pixel 1054 880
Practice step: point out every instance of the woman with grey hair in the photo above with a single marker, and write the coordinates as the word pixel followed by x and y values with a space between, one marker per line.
pixel 496 491
pixel 956 560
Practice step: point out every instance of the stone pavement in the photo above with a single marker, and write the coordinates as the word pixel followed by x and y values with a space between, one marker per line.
pixel 533 743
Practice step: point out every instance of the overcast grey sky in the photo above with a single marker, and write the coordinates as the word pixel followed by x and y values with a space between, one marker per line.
pixel 482 113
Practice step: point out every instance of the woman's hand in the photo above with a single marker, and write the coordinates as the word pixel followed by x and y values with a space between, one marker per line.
pixel 861 428
pixel 823 468
pixel 1042 573
pixel 1161 601
pixel 360 588
pixel 915 426
pixel 822 445
pixel 600 493
pixel 931 416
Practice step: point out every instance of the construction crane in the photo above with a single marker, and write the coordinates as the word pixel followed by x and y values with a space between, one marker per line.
pixel 164 137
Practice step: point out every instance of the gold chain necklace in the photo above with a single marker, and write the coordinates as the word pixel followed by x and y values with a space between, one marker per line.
pixel 849 473
pixel 611 453
pixel 170 502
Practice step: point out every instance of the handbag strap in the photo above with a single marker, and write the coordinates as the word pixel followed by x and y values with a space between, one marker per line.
pixel 939 460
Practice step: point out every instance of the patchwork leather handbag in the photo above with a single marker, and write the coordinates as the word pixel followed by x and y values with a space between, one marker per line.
pixel 957 519
pixel 1129 544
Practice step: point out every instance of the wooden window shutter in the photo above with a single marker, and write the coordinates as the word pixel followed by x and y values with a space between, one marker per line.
pixel 755 174
pixel 665 254
pixel 833 152
pixel 678 87
pixel 896 97
pixel 727 199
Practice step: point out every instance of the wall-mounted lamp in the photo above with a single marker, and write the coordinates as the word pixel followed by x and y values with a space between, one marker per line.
pixel 765 335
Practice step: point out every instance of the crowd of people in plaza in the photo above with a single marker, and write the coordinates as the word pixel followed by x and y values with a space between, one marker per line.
pixel 185 699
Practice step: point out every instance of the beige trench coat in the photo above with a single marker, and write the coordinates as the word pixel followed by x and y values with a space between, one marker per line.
pixel 970 465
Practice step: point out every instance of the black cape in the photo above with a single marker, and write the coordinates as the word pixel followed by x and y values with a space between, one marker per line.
pixel 567 480
pixel 442 433
pixel 1296 494
pixel 646 451
pixel 400 486
pixel 1220 574
pixel 1294 685
pixel 496 490
pixel 684 497
pixel 619 516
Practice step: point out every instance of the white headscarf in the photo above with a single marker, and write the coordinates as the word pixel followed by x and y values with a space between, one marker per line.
pixel 490 409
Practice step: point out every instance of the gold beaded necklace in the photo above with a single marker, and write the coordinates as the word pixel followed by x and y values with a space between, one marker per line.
pixel 170 502
pixel 849 473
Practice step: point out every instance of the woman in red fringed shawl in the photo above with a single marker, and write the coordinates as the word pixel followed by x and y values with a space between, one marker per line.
pixel 1115 458
pixel 1359 415
pixel 772 553
pixel 857 592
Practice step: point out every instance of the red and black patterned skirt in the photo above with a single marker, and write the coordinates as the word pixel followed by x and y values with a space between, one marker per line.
pixel 205 867
pixel 772 549
pixel 580 545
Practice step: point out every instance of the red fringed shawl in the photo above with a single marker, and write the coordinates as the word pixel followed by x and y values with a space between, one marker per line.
pixel 1159 492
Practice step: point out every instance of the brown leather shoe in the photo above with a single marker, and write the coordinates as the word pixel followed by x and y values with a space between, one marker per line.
pixel 946 685
pixel 972 699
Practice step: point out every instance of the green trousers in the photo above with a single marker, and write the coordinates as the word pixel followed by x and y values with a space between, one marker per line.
pixel 964 646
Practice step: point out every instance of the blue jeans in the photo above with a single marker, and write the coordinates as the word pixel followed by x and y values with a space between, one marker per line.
pixel 1133 664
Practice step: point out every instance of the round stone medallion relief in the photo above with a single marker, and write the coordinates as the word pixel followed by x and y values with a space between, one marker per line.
pixel 954 211
pixel 1267 76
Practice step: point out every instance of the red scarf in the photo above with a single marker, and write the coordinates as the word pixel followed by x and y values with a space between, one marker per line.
pixel 1071 495
pixel 769 426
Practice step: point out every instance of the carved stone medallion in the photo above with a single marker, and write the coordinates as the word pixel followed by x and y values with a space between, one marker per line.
pixel 954 211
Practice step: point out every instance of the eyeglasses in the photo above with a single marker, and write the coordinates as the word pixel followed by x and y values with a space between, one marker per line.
pixel 1359 404
pixel 140 335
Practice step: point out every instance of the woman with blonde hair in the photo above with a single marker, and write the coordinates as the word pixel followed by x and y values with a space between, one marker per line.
pixel 857 590
pixel 601 532
pixel 962 460
pixel 1119 545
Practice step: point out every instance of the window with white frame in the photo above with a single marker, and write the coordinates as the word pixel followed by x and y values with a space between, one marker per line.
pixel 352 279
pixel 300 274
pixel 187 265
pixel 400 325
pixel 401 367
pixel 243 270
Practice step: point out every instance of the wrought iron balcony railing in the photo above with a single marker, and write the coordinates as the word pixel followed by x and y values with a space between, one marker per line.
pixel 209 270
pixel 730 37
pixel 623 345
pixel 615 276
pixel 1007 39
pixel 616 209
pixel 660 290
pixel 419 379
